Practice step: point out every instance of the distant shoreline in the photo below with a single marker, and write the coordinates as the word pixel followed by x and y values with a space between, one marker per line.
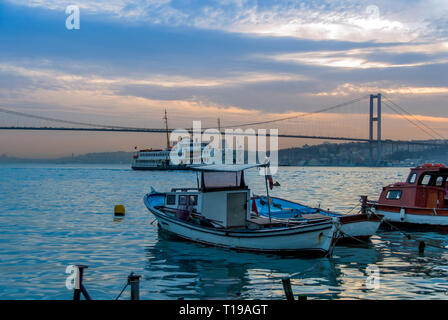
pixel 323 155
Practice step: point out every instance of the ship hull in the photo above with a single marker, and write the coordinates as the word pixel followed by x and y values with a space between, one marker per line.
pixel 414 217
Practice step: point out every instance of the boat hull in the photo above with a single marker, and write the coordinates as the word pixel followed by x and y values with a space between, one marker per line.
pixel 414 217
pixel 353 227
pixel 313 239
pixel 359 226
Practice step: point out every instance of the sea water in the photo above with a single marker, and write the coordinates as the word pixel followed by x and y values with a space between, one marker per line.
pixel 53 216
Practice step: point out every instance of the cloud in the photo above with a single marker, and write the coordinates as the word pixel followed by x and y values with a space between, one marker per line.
pixel 183 66
pixel 58 91
pixel 348 89
pixel 349 20
pixel 367 58
pixel 145 79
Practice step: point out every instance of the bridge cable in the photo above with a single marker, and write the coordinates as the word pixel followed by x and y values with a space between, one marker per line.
pixel 412 122
pixel 414 117
pixel 135 128
pixel 300 115
pixel 17 113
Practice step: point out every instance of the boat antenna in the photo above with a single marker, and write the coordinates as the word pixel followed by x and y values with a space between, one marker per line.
pixel 197 179
pixel 167 133
pixel 267 190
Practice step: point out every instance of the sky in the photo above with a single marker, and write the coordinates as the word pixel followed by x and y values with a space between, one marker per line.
pixel 237 60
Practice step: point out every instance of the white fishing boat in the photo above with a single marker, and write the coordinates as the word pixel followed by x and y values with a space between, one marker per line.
pixel 217 212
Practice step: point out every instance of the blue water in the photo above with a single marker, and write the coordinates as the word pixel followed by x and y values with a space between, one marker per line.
pixel 53 216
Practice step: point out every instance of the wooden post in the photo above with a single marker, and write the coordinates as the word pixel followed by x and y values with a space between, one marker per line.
pixel 364 204
pixel 287 288
pixel 421 247
pixel 134 281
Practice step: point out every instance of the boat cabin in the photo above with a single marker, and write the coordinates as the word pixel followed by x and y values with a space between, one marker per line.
pixel 222 197
pixel 425 187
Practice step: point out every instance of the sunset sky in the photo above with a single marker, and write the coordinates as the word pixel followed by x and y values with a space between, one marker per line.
pixel 239 60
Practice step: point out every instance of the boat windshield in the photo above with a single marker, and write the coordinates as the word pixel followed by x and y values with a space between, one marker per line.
pixel 222 179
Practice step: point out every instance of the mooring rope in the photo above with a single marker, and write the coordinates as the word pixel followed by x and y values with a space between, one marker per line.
pixel 353 237
pixel 353 208
pixel 127 283
pixel 407 235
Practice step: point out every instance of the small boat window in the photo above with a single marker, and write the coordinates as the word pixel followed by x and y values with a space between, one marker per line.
pixel 439 181
pixel 193 200
pixel 183 200
pixel 412 178
pixel 171 199
pixel 393 194
pixel 425 179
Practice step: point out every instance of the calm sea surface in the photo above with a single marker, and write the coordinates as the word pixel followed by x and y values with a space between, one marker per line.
pixel 54 216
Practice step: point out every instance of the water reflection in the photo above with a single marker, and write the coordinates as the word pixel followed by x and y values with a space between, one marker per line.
pixel 198 271
pixel 192 271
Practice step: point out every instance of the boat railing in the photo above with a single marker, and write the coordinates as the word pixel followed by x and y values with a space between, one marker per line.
pixel 194 214
pixel 184 189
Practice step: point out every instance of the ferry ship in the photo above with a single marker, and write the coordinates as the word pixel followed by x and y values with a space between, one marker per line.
pixel 159 159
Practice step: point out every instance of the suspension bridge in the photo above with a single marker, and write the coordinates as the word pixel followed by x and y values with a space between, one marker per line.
pixel 375 125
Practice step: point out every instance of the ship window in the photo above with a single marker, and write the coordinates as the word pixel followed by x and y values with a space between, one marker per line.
pixel 393 194
pixel 412 178
pixel 439 181
pixel 183 200
pixel 426 179
pixel 193 200
pixel 171 199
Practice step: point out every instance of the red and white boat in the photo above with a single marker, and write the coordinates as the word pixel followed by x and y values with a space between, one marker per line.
pixel 422 200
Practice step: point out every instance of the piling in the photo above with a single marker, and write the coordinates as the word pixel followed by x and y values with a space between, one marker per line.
pixel 421 247
pixel 134 282
pixel 303 297
pixel 79 286
pixel 364 204
pixel 287 288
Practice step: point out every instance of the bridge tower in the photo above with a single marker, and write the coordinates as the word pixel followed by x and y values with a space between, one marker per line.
pixel 376 119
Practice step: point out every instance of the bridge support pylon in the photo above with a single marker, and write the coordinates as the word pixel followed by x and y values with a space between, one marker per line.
pixel 376 119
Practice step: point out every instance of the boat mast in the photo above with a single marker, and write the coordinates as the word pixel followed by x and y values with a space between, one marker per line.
pixel 267 191
pixel 167 134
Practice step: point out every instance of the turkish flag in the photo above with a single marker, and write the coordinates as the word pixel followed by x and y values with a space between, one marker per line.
pixel 254 206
